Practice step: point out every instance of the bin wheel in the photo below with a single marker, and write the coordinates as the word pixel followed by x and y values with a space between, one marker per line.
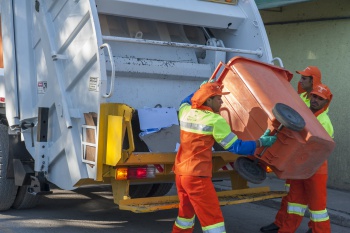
pixel 288 117
pixel 250 170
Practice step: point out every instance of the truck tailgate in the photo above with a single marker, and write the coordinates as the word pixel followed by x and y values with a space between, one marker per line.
pixel 231 197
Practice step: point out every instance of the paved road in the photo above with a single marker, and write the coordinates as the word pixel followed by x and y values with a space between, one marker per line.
pixel 91 210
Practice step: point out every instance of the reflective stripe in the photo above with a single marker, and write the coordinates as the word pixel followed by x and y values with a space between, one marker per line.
pixel 216 228
pixel 295 208
pixel 184 223
pixel 206 123
pixel 319 215
pixel 227 139
pixel 195 126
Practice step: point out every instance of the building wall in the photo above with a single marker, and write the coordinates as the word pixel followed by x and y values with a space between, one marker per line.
pixel 318 33
pixel 1 52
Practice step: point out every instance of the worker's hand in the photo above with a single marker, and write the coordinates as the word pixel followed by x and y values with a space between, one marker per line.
pixel 266 140
pixel 204 82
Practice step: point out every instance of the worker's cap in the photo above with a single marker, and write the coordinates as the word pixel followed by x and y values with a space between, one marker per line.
pixel 206 91
pixel 310 71
pixel 322 91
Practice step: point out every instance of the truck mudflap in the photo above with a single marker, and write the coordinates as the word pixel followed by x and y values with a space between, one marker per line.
pixel 230 197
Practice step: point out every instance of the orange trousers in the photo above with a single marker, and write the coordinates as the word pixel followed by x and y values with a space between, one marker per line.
pixel 282 212
pixel 197 197
pixel 311 192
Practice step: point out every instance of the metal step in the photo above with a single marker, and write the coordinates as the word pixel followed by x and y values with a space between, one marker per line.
pixel 231 197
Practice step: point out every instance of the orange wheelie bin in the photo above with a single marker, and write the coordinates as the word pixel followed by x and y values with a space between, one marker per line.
pixel 262 97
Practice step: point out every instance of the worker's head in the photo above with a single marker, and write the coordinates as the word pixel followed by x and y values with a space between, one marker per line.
pixel 209 95
pixel 320 98
pixel 310 77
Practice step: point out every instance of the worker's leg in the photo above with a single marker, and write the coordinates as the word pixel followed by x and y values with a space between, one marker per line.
pixel 283 209
pixel 184 222
pixel 206 204
pixel 316 187
pixel 281 212
pixel 273 227
pixel 297 204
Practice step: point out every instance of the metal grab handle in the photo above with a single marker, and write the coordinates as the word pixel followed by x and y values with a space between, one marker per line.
pixel 111 89
pixel 279 61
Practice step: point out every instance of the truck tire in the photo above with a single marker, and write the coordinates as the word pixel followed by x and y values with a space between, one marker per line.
pixel 160 189
pixel 25 200
pixel 139 190
pixel 8 189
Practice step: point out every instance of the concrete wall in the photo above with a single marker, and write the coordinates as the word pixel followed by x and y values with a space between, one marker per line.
pixel 318 33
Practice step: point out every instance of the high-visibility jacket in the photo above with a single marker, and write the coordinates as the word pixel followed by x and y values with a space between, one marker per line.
pixel 199 128
pixel 323 118
pixel 305 98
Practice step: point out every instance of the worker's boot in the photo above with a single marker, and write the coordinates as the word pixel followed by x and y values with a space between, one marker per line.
pixel 271 228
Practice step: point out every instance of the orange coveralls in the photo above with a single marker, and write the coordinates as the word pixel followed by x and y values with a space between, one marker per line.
pixel 200 127
pixel 193 167
pixel 282 212
pixel 316 79
pixel 311 193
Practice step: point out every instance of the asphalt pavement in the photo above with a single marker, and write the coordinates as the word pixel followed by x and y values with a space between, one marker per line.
pixel 338 201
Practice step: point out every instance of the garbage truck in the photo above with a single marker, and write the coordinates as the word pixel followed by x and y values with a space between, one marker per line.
pixel 89 92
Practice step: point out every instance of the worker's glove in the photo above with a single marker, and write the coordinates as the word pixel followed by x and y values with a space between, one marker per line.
pixel 211 81
pixel 266 140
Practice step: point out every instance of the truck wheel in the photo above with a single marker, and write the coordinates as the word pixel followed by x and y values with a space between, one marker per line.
pixel 8 189
pixel 160 189
pixel 139 190
pixel 25 200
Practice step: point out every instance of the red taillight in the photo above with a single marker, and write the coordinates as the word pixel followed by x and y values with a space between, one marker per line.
pixel 137 173
pixel 130 173
pixel 2 99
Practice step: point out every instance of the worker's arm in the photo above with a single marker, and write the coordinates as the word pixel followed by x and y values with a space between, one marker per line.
pixel 243 147
pixel 230 141
pixel 187 99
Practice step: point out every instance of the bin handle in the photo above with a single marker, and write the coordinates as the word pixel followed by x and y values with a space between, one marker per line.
pixel 111 89
pixel 216 71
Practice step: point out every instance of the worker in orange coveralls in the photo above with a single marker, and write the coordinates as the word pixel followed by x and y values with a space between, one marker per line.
pixel 312 192
pixel 200 126
pixel 309 78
